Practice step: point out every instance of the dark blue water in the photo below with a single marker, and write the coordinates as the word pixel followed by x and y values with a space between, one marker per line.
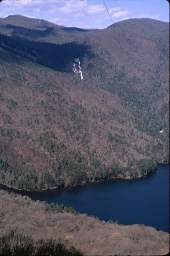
pixel 144 201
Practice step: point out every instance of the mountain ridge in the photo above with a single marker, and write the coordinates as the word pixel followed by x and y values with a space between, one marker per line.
pixel 56 130
pixel 21 18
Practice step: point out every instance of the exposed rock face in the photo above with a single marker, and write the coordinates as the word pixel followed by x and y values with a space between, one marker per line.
pixel 87 234
pixel 57 130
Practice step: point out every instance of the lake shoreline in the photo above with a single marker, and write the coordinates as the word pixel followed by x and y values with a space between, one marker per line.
pixel 110 200
pixel 84 184
pixel 115 238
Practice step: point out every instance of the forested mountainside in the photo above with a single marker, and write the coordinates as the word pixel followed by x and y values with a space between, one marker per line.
pixel 57 130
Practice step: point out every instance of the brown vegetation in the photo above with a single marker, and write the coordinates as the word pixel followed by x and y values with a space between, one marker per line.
pixel 40 221
pixel 58 131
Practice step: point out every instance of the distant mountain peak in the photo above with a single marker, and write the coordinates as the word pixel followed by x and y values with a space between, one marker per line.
pixel 16 16
pixel 28 22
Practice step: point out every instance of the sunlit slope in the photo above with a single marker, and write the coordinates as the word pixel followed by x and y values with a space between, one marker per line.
pixel 56 130
pixel 71 229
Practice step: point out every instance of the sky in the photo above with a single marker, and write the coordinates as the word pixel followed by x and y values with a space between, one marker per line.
pixel 86 13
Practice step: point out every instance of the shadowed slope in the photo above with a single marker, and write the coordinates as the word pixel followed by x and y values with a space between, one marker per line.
pixel 57 57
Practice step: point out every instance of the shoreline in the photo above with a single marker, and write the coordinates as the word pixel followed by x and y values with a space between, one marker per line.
pixel 61 189
pixel 80 227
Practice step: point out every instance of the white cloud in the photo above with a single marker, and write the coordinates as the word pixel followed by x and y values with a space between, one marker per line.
pixel 25 2
pixel 95 9
pixel 76 6
pixel 115 9
pixel 29 2
pixel 118 12
pixel 77 13
pixel 17 2
pixel 73 6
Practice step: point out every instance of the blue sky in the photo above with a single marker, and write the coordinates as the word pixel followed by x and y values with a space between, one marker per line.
pixel 86 13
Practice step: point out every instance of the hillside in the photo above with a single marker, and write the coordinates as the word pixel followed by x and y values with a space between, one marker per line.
pixel 57 130
pixel 41 221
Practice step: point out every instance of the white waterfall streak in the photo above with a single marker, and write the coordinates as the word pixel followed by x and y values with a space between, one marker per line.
pixel 77 68
pixel 81 75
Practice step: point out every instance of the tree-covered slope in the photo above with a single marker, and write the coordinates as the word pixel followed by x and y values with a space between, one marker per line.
pixel 57 130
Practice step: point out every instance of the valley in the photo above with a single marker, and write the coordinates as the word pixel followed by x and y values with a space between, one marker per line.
pixel 57 130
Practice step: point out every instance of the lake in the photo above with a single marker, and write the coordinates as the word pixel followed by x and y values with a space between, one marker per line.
pixel 142 201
